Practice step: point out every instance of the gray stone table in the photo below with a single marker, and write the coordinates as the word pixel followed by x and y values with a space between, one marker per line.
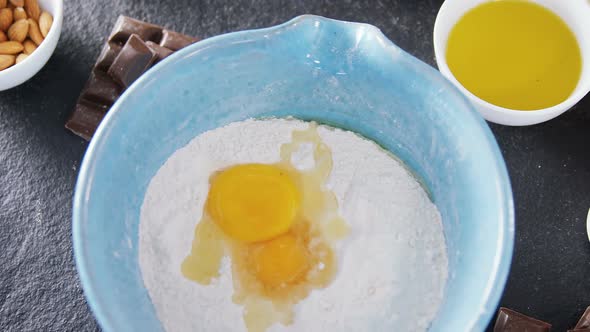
pixel 39 290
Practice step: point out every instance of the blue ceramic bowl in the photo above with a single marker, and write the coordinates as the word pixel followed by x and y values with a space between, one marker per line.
pixel 345 74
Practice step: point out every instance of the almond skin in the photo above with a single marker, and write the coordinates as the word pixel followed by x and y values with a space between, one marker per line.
pixel 32 8
pixel 11 47
pixel 29 46
pixel 18 3
pixel 34 32
pixel 6 61
pixel 5 18
pixel 3 3
pixel 21 57
pixel 18 31
pixel 45 22
pixel 3 37
pixel 19 14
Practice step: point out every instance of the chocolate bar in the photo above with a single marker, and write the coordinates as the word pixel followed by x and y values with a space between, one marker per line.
pixel 132 61
pixel 159 51
pixel 126 26
pixel 86 117
pixel 101 89
pixel 107 56
pixel 174 40
pixel 584 322
pixel 512 321
pixel 131 49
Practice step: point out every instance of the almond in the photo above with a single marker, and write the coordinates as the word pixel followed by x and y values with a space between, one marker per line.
pixel 11 47
pixel 18 3
pixel 19 14
pixel 33 10
pixel 18 31
pixel 29 46
pixel 45 22
pixel 5 18
pixel 3 37
pixel 34 32
pixel 21 57
pixel 3 3
pixel 6 61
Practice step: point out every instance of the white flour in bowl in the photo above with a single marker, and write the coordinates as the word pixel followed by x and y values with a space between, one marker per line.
pixel 392 266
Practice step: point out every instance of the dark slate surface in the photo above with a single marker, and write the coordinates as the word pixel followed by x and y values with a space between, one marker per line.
pixel 39 291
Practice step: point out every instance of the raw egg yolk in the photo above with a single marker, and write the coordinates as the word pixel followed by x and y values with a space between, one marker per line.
pixel 280 261
pixel 253 202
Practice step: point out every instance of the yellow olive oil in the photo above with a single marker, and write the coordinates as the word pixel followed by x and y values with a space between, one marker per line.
pixel 515 54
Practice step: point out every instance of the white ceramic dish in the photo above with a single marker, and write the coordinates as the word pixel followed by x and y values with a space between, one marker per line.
pixel 21 72
pixel 574 12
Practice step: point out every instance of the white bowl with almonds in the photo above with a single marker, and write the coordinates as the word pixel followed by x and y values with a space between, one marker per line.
pixel 29 31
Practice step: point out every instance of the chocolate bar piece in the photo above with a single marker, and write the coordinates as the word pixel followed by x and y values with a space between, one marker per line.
pixel 132 48
pixel 101 89
pixel 86 118
pixel 127 26
pixel 107 56
pixel 133 60
pixel 160 51
pixel 512 321
pixel 175 41
pixel 584 322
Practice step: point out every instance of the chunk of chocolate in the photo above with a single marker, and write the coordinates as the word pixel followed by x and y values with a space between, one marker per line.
pixel 101 88
pixel 584 322
pixel 512 321
pixel 127 26
pixel 86 118
pixel 107 56
pixel 159 51
pixel 133 46
pixel 175 41
pixel 133 60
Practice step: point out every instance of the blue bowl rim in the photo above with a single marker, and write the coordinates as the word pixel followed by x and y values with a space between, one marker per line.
pixel 504 251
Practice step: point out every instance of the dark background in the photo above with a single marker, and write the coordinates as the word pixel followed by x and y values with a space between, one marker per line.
pixel 549 164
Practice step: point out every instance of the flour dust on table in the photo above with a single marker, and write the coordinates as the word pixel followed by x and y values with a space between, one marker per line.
pixel 283 225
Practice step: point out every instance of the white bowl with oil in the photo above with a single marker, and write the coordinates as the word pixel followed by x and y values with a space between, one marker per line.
pixel 574 13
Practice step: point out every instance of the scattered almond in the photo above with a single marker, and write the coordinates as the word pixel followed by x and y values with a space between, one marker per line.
pixel 6 61
pixel 33 10
pixel 11 47
pixel 19 14
pixel 3 3
pixel 5 18
pixel 18 3
pixel 29 46
pixel 45 22
pixel 3 37
pixel 34 32
pixel 21 57
pixel 18 31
